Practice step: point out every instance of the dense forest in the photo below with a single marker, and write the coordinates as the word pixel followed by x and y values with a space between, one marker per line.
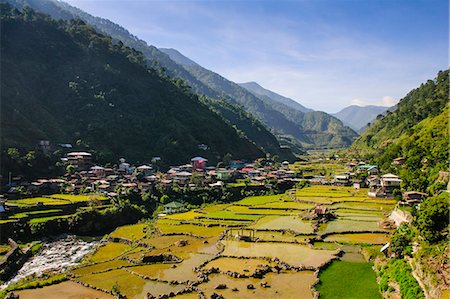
pixel 417 131
pixel 154 58
pixel 66 83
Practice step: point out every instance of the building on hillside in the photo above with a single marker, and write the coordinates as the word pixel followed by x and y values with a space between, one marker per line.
pixel 81 160
pixel 98 171
pixel 145 170
pixel 285 165
pixel 371 169
pixel 341 180
pixel 44 146
pixel 182 177
pixel 2 211
pixel 237 164
pixel 412 197
pixel 224 174
pixel 198 163
pixel 398 161
pixel 390 181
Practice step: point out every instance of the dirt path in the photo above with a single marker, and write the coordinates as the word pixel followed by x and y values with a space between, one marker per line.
pixel 419 280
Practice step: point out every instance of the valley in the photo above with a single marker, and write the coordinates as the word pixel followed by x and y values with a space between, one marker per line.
pixel 271 252
pixel 137 167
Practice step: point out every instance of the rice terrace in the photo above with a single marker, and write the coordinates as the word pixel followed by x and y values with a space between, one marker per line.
pixel 259 246
pixel 312 163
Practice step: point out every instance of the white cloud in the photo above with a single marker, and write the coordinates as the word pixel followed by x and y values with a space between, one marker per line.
pixel 386 101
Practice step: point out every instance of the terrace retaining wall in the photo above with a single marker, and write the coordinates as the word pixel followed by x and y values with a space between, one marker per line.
pixel 12 261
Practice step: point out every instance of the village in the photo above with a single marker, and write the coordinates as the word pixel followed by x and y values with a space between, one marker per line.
pixel 84 176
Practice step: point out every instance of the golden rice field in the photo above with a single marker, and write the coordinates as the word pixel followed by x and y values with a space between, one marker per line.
pixel 230 244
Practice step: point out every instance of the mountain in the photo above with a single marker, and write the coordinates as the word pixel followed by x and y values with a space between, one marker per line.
pixel 258 90
pixel 357 117
pixel 65 82
pixel 311 129
pixel 248 125
pixel 418 130
pixel 202 81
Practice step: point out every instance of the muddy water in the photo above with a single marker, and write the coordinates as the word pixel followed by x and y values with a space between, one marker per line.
pixel 283 285
pixel 294 255
pixel 56 255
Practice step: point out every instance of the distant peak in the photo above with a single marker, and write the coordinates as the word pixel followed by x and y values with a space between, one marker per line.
pixel 176 56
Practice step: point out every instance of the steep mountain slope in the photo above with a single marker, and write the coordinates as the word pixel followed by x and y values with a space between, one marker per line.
pixel 311 129
pixel 417 131
pixel 66 82
pixel 210 84
pixel 357 117
pixel 258 90
pixel 157 59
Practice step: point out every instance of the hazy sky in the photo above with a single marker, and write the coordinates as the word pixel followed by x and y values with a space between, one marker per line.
pixel 326 54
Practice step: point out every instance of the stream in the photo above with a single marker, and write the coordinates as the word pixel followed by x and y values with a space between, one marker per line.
pixel 55 255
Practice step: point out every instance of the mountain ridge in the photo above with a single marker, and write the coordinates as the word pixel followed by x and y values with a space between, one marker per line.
pixel 157 60
pixel 357 117
pixel 257 89
pixel 417 131
pixel 76 85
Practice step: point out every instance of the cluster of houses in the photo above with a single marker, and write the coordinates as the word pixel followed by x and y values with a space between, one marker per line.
pixel 85 176
pixel 380 186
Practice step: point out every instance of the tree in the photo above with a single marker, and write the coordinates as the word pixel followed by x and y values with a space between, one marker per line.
pixel 401 240
pixel 70 169
pixel 397 194
pixel 432 217
pixel 13 153
pixel 164 199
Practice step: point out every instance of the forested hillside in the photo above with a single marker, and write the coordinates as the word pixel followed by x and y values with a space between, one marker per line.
pixel 160 61
pixel 417 131
pixel 63 82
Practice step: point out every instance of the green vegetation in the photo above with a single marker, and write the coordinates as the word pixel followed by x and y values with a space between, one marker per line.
pixel 432 219
pixel 109 251
pixel 418 131
pixel 131 232
pixel 348 280
pixel 259 200
pixel 78 197
pixel 103 93
pixel 46 219
pixel 34 283
pixel 399 271
pixel 34 213
pixel 229 215
pixel 36 200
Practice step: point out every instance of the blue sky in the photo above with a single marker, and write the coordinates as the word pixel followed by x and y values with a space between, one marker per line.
pixel 326 54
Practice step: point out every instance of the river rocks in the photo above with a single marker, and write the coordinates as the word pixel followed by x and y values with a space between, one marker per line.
pixel 182 243
pixel 250 286
pixel 217 296
pixel 264 284
pixel 12 296
pixel 55 256
pixel 235 289
pixel 221 286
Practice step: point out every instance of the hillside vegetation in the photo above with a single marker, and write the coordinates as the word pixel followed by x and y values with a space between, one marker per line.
pixel 154 58
pixel 65 82
pixel 416 131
